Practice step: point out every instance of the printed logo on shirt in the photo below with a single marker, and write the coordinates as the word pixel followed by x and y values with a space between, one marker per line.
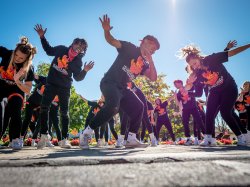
pixel 213 79
pixel 8 75
pixel 160 110
pixel 135 69
pixel 185 97
pixel 62 64
pixel 241 108
pixel 96 110
pixel 41 91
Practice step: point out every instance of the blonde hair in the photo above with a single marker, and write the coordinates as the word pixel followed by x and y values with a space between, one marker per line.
pixel 190 51
pixel 25 47
pixel 247 82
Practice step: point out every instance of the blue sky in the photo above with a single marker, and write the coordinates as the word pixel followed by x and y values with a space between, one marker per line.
pixel 208 23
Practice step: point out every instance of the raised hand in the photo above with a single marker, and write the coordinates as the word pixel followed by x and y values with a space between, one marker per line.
pixel 18 75
pixel 231 44
pixel 40 31
pixel 106 23
pixel 88 66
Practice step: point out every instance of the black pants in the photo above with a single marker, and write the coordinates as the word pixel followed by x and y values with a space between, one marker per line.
pixel 49 94
pixel 186 113
pixel 224 102
pixel 54 120
pixel 248 118
pixel 6 122
pixel 14 108
pixel 116 98
pixel 36 116
pixel 102 131
pixel 164 120
pixel 145 120
pixel 112 128
pixel 197 130
pixel 34 101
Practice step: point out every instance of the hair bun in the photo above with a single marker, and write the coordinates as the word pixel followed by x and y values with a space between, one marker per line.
pixel 24 40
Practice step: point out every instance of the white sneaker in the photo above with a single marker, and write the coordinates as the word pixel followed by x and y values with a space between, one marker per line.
pixel 132 141
pixel 49 144
pixel 247 137
pixel 84 140
pixel 153 140
pixel 43 140
pixel 241 140
pixel 120 141
pixel 16 145
pixel 207 140
pixel 21 142
pixel 65 144
pixel 196 141
pixel 100 143
pixel 33 143
pixel 106 144
pixel 188 142
pixel 213 142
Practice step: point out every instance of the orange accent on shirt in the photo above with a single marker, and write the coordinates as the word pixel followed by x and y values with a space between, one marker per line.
pixel 212 77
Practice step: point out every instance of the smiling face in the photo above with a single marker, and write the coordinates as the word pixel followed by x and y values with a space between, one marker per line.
pixel 78 47
pixel 20 57
pixel 148 47
pixel 194 63
pixel 246 86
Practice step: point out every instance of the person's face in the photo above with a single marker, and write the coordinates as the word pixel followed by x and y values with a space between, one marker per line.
pixel 157 102
pixel 78 47
pixel 178 85
pixel 148 46
pixel 20 57
pixel 195 63
pixel 246 86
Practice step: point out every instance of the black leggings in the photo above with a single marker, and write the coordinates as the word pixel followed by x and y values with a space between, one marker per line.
pixel 224 102
pixel 49 94
pixel 54 120
pixel 164 120
pixel 34 101
pixel 112 128
pixel 116 98
pixel 186 113
pixel 14 107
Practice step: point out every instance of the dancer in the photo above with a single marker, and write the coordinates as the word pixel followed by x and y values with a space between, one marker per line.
pixel 189 107
pixel 16 76
pixel 162 117
pixel 222 88
pixel 130 62
pixel 67 63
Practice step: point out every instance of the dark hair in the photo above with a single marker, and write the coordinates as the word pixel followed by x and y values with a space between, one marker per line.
pixel 83 42
pixel 158 99
pixel 178 81
pixel 153 39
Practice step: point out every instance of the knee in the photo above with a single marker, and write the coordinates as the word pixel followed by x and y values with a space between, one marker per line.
pixel 65 114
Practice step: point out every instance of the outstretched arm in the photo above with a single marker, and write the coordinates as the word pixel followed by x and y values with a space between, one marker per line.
pixel 230 45
pixel 81 75
pixel 51 51
pixel 238 50
pixel 107 28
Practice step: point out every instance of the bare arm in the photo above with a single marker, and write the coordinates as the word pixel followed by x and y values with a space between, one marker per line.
pixel 238 50
pixel 26 86
pixel 107 28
